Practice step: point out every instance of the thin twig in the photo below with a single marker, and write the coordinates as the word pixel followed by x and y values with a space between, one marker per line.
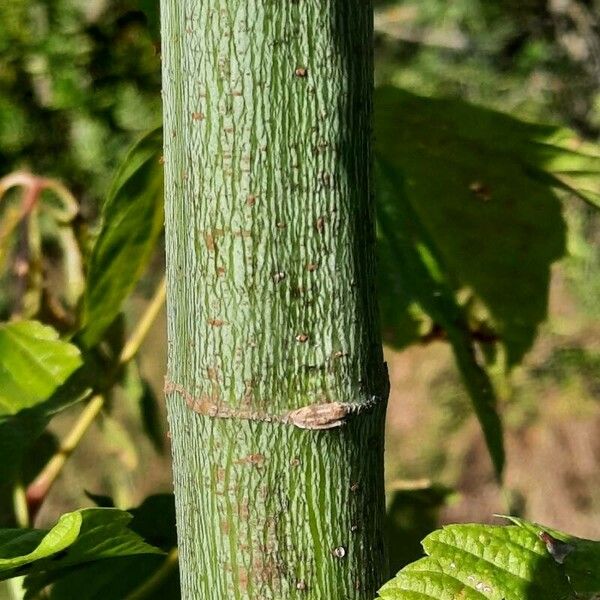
pixel 149 586
pixel 20 505
pixel 38 490
pixel 42 484
pixel 144 324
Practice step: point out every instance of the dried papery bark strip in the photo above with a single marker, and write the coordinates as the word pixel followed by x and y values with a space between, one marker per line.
pixel 313 416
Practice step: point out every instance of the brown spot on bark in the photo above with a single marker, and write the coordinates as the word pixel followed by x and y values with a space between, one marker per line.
pixel 216 323
pixel 212 373
pixel 355 487
pixel 198 116
pixel 302 338
pixel 224 527
pixel 281 225
pixel 248 389
pixel 295 462
pixel 244 511
pixel 320 224
pixel 301 585
pixel 209 240
pixel 221 271
pixel 301 72
pixel 311 267
pixel 279 277
pixel 243 578
pixel 252 459
pixel 251 200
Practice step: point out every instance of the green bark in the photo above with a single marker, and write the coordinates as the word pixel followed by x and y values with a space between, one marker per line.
pixel 271 306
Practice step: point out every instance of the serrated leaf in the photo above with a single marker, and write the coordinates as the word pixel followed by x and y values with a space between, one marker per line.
pixel 482 184
pixel 79 537
pixel 580 558
pixel 416 264
pixel 34 362
pixel 477 562
pixel 132 223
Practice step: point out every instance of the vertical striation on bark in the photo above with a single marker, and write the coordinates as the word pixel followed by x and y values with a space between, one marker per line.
pixel 270 265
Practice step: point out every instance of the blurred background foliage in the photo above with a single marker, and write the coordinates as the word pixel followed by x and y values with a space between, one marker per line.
pixel 80 81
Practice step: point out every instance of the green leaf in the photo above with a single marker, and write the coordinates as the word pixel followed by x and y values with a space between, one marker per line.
pixel 14 543
pixel 113 579
pixel 79 537
pixel 417 266
pixel 154 520
pixel 132 223
pixel 475 562
pixel 20 432
pixel 34 362
pixel 481 183
pixel 116 578
pixel 580 558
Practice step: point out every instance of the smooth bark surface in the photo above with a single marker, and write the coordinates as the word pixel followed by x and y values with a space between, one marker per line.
pixel 276 387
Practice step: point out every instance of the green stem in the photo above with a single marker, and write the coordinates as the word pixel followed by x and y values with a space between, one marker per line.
pixel 20 506
pixel 39 489
pixel 144 325
pixel 276 387
pixel 158 577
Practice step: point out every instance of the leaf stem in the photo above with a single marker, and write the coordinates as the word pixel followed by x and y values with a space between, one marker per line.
pixel 144 324
pixel 20 505
pixel 38 490
pixel 158 577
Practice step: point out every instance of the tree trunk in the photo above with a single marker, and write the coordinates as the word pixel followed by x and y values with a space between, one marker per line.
pixel 276 387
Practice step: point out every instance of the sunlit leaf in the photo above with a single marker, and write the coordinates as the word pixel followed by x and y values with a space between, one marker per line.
pixel 116 578
pixel 79 537
pixel 34 362
pixel 475 562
